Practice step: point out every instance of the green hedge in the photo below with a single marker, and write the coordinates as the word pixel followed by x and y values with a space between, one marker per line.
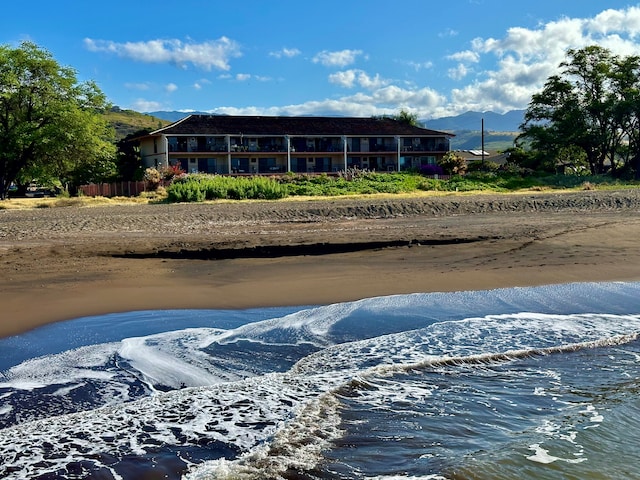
pixel 358 183
pixel 197 188
pixel 200 187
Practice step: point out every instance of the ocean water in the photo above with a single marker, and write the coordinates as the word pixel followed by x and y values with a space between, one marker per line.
pixel 530 383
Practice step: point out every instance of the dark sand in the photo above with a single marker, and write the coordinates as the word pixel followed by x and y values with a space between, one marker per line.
pixel 67 262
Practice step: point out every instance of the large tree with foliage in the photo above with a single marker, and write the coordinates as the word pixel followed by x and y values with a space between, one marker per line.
pixel 626 83
pixel 403 117
pixel 51 127
pixel 591 105
pixel 129 162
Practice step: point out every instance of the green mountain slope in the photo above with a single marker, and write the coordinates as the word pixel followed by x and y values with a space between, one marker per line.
pixel 127 122
pixel 493 141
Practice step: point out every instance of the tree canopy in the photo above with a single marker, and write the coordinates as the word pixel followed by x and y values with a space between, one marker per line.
pixel 404 117
pixel 588 113
pixel 51 127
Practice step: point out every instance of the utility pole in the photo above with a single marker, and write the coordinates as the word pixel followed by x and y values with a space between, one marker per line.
pixel 482 137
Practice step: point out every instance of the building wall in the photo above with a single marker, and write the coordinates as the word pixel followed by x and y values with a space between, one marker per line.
pixel 267 154
pixel 152 152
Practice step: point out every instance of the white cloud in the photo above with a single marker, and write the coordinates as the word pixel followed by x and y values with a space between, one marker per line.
pixel 626 21
pixel 465 56
pixel 137 86
pixel 449 32
pixel 340 58
pixel 345 79
pixel 142 105
pixel 417 66
pixel 170 87
pixel 205 55
pixel 245 77
pixel 510 69
pixel 458 73
pixel 286 53
pixel 351 78
pixel 387 100
pixel 203 81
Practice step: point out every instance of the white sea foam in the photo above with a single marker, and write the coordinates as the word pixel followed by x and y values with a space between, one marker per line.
pixel 67 367
pixel 542 456
pixel 593 414
pixel 236 400
pixel 173 359
pixel 380 393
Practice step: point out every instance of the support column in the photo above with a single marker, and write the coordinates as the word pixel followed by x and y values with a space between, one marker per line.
pixel 165 143
pixel 227 139
pixel 344 152
pixel 288 142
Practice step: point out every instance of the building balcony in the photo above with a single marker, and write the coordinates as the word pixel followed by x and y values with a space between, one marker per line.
pixel 439 147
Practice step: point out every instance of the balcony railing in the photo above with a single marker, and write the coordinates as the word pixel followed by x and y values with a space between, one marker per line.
pixel 300 145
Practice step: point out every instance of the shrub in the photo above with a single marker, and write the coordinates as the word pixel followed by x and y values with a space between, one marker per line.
pixel 431 184
pixel 185 192
pixel 480 166
pixel 453 164
pixel 197 188
pixel 171 172
pixel 152 177
pixel 462 184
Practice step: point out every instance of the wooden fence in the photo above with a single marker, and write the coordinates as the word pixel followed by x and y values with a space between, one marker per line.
pixel 117 189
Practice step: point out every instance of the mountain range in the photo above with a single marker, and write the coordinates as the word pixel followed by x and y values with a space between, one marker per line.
pixel 500 130
pixel 493 122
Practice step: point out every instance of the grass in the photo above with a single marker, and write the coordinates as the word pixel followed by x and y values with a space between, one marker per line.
pixel 126 122
pixel 206 187
pixel 56 202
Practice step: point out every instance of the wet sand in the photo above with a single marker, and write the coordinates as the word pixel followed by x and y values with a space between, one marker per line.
pixel 62 263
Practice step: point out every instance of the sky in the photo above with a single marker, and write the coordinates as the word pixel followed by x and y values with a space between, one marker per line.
pixel 329 57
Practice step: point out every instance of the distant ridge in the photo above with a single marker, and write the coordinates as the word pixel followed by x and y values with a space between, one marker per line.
pixel 174 116
pixel 493 122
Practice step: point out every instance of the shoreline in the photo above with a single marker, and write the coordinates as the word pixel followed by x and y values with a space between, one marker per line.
pixel 63 263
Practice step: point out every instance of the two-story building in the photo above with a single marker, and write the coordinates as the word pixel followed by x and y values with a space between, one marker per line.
pixel 264 145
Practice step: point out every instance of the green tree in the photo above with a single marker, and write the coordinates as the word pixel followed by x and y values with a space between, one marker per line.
pixel 408 118
pixel 626 84
pixel 51 127
pixel 577 108
pixel 404 117
pixel 573 159
pixel 129 162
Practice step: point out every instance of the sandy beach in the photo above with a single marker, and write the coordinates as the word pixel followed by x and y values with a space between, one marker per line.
pixel 66 262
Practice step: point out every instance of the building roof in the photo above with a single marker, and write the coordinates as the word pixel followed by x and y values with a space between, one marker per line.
pixel 476 155
pixel 317 126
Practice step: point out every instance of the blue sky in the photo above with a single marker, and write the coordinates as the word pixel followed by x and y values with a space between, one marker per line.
pixel 299 57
